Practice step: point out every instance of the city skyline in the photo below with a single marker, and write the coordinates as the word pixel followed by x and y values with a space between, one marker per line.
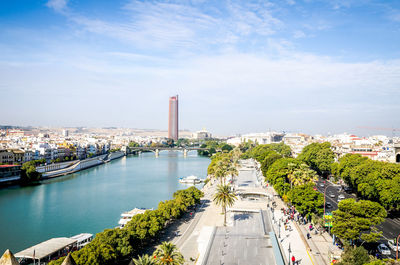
pixel 240 66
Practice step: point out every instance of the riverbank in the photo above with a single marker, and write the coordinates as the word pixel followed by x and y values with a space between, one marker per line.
pixel 65 168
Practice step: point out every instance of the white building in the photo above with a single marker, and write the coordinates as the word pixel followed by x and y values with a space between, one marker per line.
pixel 202 135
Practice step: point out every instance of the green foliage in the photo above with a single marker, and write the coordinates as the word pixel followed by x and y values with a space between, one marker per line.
pixel 133 144
pixel 306 200
pixel 294 181
pixel 243 147
pixel 278 173
pixel 269 159
pixel 144 260
pixel 168 254
pixel 29 173
pixel 212 148
pixel 354 220
pixel 114 246
pixel 318 156
pixel 261 151
pixel 372 180
pixel 226 148
pixel 354 256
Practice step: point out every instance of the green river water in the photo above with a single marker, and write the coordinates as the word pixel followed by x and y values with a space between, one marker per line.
pixel 91 200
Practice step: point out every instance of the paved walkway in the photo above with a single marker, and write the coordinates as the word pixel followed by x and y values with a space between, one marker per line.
pixel 317 247
pixel 194 235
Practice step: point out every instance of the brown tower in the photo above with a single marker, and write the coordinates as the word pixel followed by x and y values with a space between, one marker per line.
pixel 173 118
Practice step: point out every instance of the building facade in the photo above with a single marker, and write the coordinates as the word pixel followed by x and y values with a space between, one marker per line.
pixel 173 118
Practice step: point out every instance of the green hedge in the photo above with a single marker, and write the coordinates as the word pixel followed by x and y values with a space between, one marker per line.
pixel 118 246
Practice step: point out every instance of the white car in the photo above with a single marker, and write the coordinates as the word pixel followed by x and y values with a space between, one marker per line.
pixel 383 249
pixel 341 197
pixel 392 245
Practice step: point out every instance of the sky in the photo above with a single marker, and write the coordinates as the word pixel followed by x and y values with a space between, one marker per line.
pixel 310 66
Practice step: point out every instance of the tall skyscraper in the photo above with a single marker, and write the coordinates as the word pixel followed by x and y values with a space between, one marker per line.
pixel 173 118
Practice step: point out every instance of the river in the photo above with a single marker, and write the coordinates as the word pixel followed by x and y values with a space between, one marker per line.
pixel 91 200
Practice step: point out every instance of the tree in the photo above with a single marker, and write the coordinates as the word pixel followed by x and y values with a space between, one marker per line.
pixel 133 144
pixel 278 173
pixel 269 159
pixel 354 256
pixel 29 173
pixel 302 174
pixel 143 260
pixel 318 156
pixel 261 151
pixel 306 200
pixel 168 254
pixel 170 142
pixel 358 219
pixel 224 197
pixel 226 148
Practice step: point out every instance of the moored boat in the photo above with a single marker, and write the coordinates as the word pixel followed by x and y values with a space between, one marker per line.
pixel 191 180
pixel 127 216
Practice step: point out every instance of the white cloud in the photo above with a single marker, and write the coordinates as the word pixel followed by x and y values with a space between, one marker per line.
pixel 298 34
pixel 57 5
pixel 173 25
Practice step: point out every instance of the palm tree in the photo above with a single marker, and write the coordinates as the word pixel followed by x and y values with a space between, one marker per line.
pixel 224 197
pixel 143 260
pixel 221 170
pixel 299 175
pixel 168 254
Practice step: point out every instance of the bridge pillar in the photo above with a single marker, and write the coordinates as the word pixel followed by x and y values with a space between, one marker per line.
pixel 185 151
pixel 157 152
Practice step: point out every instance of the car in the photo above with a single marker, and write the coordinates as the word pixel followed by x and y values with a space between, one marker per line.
pixel 332 195
pixel 383 249
pixel 328 205
pixel 322 185
pixel 347 189
pixel 392 245
pixel 341 197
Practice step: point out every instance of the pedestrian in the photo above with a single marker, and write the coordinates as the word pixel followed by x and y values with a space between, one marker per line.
pixel 308 235
pixel 293 260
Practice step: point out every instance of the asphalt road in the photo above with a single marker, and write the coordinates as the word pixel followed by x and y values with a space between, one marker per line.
pixel 390 227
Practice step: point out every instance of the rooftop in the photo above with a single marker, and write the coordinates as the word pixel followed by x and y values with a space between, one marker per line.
pixel 46 248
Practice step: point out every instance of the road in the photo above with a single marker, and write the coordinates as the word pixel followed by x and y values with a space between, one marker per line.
pixel 390 227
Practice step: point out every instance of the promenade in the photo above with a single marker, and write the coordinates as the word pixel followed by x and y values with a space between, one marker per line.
pixel 247 237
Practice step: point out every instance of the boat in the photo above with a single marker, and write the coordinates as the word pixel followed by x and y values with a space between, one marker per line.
pixel 82 239
pixel 191 180
pixel 127 216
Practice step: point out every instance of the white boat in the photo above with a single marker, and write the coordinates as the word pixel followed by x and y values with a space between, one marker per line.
pixel 127 216
pixel 82 239
pixel 191 180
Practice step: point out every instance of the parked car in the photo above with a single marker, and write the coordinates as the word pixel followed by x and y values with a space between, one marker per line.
pixel 383 249
pixel 341 197
pixel 392 245
pixel 347 189
pixel 321 185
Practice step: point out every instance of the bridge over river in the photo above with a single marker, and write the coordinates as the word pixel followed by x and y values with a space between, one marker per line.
pixel 157 150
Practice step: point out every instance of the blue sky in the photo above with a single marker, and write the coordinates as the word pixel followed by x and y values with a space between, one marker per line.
pixel 238 66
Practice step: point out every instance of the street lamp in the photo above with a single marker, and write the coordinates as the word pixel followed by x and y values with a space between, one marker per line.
pixel 324 200
pixel 397 247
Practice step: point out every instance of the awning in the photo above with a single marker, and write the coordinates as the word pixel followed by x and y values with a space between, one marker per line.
pixel 46 248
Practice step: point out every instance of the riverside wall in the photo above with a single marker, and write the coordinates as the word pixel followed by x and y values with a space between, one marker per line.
pixel 77 165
